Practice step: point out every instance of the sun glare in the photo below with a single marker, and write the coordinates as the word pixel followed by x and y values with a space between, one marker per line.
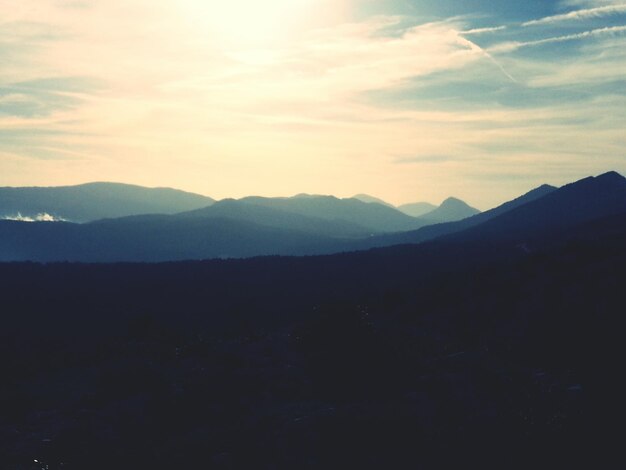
pixel 247 22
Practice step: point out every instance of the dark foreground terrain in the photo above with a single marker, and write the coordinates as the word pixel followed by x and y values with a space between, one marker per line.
pixel 495 354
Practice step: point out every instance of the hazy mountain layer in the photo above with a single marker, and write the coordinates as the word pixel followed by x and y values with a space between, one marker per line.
pixel 268 216
pixel 417 209
pixel 371 199
pixel 374 217
pixel 95 201
pixel 153 238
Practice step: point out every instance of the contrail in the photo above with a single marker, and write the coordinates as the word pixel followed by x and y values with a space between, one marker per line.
pixel 512 46
pixel 483 30
pixel 580 15
pixel 475 47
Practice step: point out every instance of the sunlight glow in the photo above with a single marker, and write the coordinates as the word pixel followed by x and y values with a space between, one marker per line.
pixel 276 97
pixel 247 22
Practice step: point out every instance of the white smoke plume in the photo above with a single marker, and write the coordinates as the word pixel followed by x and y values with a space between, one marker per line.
pixel 41 217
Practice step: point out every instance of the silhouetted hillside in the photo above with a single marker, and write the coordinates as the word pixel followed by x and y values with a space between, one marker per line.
pixel 153 238
pixel 94 201
pixel 433 231
pixel 542 210
pixel 569 206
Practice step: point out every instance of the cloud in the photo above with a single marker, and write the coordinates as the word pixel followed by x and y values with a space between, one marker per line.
pixel 426 159
pixel 514 45
pixel 590 3
pixel 141 91
pixel 45 96
pixel 580 15
pixel 492 29
pixel 601 64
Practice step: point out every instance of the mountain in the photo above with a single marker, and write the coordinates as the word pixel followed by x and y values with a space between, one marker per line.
pixel 374 217
pixel 431 232
pixel 248 227
pixel 372 200
pixel 417 209
pixel 450 210
pixel 577 203
pixel 270 217
pixel 540 212
pixel 153 238
pixel 258 226
pixel 93 201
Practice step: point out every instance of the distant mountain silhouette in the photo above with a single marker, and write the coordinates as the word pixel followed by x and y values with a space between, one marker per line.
pixel 431 232
pixel 450 210
pixel 374 217
pixel 371 199
pixel 417 209
pixel 252 226
pixel 92 201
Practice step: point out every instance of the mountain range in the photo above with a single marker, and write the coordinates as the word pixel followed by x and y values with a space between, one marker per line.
pixel 94 201
pixel 303 225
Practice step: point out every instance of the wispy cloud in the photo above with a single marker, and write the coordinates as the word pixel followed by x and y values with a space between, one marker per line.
pixel 514 45
pixel 492 29
pixel 584 14
pixel 589 3
pixel 420 159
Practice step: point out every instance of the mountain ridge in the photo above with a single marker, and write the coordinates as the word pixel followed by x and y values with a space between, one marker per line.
pixel 571 205
pixel 431 232
pixel 92 201
pixel 263 227
pixel 372 200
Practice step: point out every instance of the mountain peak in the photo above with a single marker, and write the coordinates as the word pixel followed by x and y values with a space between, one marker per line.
pixel 611 176
pixel 450 210
pixel 452 202
pixel 593 186
pixel 583 201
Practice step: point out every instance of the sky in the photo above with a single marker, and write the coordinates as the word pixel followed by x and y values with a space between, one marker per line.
pixel 406 100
